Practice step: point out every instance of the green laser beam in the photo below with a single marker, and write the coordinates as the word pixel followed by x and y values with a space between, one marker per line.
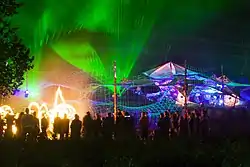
pixel 70 28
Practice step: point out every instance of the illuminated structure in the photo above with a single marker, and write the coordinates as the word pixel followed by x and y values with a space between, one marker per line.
pixel 210 91
pixel 4 110
pixel 92 35
pixel 58 108
pixel 159 89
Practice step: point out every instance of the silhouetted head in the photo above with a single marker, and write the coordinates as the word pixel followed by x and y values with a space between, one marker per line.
pixel 192 115
pixel 27 111
pixel 65 116
pixel 21 114
pixel 127 114
pixel 166 114
pixel 98 116
pixel 34 114
pixel 204 113
pixel 119 114
pixel 76 116
pixel 144 114
pixel 109 114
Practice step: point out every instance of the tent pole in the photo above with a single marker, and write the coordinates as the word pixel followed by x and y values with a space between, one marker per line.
pixel 115 90
pixel 222 74
pixel 185 86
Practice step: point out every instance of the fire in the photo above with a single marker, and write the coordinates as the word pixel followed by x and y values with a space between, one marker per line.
pixel 5 109
pixel 14 129
pixel 42 109
pixel 62 108
pixel 58 108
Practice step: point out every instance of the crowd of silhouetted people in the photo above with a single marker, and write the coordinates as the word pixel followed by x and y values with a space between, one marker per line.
pixel 121 126
pixel 169 125
pixel 186 138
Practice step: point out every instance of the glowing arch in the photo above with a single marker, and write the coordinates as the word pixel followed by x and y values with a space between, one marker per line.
pixel 6 109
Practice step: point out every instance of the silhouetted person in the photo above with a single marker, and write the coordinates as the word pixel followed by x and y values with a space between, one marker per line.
pixel 36 128
pixel 118 117
pixel 108 126
pixel 44 127
pixel 197 122
pixel 9 123
pixel 19 124
pixel 204 125
pixel 87 125
pixel 28 124
pixel 175 125
pixel 76 126
pixel 128 126
pixel 57 126
pixel 184 126
pixel 97 126
pixel 144 126
pixel 2 123
pixel 192 126
pixel 65 127
pixel 166 124
pixel 119 126
pixel 161 129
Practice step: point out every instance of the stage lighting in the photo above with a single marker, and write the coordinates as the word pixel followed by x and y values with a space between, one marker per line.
pixel 197 94
pixel 219 86
pixel 157 83
pixel 207 96
pixel 26 94
pixel 15 92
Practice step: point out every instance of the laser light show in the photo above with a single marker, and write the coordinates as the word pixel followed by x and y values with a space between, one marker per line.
pixel 124 83
pixel 75 48
pixel 91 38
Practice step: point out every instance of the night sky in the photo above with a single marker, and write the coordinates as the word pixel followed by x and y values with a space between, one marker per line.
pixel 205 33
pixel 223 38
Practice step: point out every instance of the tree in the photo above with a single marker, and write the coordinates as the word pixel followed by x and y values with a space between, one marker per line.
pixel 15 59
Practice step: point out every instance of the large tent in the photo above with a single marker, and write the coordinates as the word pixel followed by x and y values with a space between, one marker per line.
pixel 173 75
pixel 168 70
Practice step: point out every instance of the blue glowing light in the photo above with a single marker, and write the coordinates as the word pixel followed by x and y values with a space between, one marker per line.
pixel 220 102
pixel 26 94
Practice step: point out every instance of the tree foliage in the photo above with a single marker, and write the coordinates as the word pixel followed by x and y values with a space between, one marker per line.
pixel 15 59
